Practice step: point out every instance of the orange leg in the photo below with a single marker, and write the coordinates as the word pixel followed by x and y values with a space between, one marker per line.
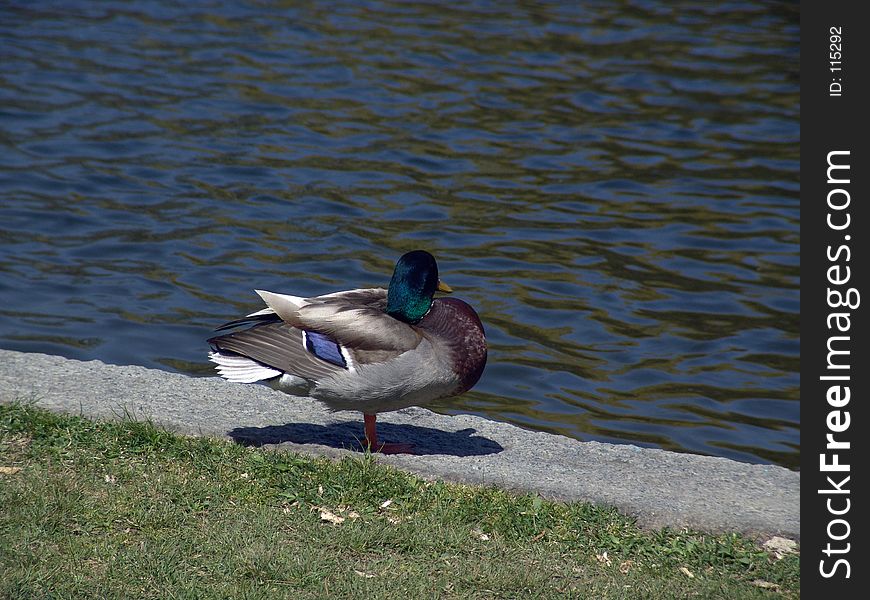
pixel 372 439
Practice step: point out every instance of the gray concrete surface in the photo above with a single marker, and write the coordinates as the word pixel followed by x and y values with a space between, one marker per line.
pixel 660 488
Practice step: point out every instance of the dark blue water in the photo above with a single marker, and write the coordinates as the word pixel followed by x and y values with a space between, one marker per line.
pixel 614 186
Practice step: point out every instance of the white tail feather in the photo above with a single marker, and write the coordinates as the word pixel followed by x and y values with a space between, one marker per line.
pixel 240 369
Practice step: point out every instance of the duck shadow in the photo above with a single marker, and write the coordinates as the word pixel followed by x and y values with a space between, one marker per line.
pixel 347 435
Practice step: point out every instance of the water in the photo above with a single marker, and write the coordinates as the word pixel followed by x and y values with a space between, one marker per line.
pixel 613 186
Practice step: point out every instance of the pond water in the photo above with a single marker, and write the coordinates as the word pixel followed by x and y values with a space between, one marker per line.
pixel 614 186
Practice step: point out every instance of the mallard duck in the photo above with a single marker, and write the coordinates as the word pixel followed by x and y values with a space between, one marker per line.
pixel 371 350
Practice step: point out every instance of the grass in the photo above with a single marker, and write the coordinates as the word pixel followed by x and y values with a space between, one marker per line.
pixel 126 510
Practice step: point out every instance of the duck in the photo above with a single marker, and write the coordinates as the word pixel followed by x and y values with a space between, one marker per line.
pixel 371 350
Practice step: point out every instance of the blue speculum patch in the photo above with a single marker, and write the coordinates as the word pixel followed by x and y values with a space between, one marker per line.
pixel 324 348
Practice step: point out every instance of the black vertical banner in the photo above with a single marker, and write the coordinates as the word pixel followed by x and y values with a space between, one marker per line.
pixel 835 300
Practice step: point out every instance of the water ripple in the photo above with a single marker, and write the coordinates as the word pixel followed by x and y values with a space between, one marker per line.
pixel 615 187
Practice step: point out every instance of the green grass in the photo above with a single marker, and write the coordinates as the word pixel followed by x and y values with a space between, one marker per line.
pixel 126 510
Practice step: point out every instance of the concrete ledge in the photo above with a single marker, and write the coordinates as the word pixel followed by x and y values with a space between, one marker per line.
pixel 658 487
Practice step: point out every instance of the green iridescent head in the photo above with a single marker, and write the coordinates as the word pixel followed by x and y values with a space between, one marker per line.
pixel 415 281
